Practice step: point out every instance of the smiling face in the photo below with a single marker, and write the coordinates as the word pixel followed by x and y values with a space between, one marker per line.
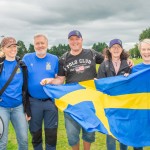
pixel 10 52
pixel 116 51
pixel 145 52
pixel 40 46
pixel 75 43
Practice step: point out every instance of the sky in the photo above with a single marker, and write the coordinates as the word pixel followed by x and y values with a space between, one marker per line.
pixel 97 20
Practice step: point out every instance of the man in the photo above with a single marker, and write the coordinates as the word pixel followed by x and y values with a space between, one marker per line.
pixel 41 65
pixel 77 65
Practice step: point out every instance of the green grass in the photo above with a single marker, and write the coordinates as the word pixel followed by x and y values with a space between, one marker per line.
pixel 62 143
pixel 137 61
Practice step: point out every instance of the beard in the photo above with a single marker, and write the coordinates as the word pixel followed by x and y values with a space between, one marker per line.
pixel 41 53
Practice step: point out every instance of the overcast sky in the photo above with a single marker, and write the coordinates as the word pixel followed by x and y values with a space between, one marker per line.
pixel 97 20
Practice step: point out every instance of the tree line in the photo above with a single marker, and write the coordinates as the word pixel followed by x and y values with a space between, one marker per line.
pixel 56 50
pixel 62 48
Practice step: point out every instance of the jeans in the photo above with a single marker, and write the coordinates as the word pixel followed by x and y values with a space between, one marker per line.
pixel 73 131
pixel 17 118
pixel 43 111
pixel 111 144
pixel 138 148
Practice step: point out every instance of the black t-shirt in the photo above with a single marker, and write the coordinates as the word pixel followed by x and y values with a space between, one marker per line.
pixel 80 67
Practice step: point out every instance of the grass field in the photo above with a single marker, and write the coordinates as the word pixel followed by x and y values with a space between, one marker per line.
pixel 62 144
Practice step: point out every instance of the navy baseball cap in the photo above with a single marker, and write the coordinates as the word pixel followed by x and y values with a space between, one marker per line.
pixel 115 41
pixel 75 33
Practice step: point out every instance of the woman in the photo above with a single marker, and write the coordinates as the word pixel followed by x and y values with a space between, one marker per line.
pixel 144 48
pixel 11 100
pixel 116 64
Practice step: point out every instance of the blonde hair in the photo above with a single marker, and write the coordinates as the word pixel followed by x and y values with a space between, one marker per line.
pixel 147 41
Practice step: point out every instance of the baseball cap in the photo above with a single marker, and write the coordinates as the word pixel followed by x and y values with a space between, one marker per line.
pixel 75 33
pixel 8 41
pixel 115 41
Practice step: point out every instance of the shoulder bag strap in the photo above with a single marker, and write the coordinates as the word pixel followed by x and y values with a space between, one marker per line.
pixel 9 80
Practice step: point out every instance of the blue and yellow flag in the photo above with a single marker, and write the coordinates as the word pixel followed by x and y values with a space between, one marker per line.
pixel 118 106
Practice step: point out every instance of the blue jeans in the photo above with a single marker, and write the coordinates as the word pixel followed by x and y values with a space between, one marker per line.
pixel 73 131
pixel 138 148
pixel 17 118
pixel 43 111
pixel 111 144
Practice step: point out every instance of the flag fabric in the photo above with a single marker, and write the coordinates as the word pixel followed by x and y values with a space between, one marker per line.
pixel 118 106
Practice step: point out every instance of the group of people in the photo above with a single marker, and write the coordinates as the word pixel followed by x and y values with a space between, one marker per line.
pixel 24 99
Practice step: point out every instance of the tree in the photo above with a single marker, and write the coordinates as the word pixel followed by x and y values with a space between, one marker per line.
pixel 99 46
pixel 59 50
pixel 134 52
pixel 21 49
pixel 31 48
pixel 145 34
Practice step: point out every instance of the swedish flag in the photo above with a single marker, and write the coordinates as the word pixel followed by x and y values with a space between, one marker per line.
pixel 118 106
